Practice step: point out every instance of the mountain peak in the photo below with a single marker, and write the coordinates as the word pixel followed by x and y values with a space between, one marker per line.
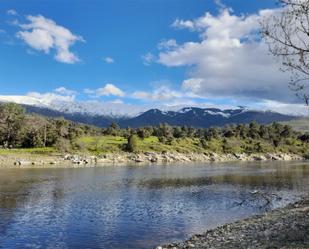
pixel 102 114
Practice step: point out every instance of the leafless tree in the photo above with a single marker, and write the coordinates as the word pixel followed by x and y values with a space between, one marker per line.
pixel 287 34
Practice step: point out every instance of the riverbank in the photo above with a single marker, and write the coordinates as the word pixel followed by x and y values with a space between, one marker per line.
pixel 85 160
pixel 281 228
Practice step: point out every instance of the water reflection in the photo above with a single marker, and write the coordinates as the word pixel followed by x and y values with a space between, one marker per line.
pixel 271 179
pixel 133 207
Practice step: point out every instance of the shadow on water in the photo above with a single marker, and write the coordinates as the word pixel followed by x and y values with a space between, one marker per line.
pixel 134 207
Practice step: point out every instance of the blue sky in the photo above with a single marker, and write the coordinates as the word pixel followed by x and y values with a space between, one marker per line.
pixel 137 52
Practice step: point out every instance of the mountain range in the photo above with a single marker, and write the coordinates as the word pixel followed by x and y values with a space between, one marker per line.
pixel 102 115
pixel 204 117
pixel 189 116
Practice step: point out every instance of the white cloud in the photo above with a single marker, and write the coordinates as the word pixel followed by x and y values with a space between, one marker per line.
pixel 163 94
pixel 60 94
pixel 64 91
pixel 12 12
pixel 109 60
pixel 181 24
pixel 230 60
pixel 148 58
pixel 192 84
pixel 44 34
pixel 107 90
pixel 89 91
pixel 48 98
pixel 167 44
pixel 220 4
pixel 110 90
pixel 116 101
pixel 285 108
pixel 14 22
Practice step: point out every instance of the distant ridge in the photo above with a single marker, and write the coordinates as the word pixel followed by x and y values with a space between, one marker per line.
pixel 189 116
pixel 105 114
pixel 204 117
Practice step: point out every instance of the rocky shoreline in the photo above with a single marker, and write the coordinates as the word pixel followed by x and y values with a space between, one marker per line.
pixel 281 228
pixel 77 160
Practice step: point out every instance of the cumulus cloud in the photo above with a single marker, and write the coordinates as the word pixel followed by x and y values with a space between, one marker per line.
pixel 107 90
pixel 167 44
pixel 60 94
pixel 110 90
pixel 12 12
pixel 229 60
pixel 89 91
pixel 50 97
pixel 64 91
pixel 44 34
pixel 165 95
pixel 220 4
pixel 116 101
pixel 148 58
pixel 285 108
pixel 181 24
pixel 109 60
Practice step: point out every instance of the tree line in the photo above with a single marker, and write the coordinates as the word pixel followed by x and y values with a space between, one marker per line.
pixel 275 134
pixel 21 130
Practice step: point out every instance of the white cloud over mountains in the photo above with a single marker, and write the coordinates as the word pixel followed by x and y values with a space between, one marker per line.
pixel 64 91
pixel 229 60
pixel 50 97
pixel 110 90
pixel 107 90
pixel 43 34
pixel 229 64
pixel 162 93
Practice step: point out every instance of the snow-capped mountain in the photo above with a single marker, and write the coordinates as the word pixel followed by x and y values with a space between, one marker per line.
pixel 103 114
pixel 204 117
pixel 90 108
pixel 24 100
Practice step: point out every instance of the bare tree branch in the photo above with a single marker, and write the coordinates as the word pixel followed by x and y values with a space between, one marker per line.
pixel 287 35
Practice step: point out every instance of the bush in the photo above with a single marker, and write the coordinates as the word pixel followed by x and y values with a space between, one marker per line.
pixel 63 145
pixel 132 143
pixel 227 147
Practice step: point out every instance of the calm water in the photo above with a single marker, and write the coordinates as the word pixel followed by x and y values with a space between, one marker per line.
pixel 136 207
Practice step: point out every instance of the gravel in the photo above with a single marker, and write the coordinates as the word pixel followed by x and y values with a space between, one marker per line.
pixel 281 228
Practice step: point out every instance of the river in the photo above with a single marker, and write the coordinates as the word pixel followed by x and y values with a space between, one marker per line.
pixel 137 206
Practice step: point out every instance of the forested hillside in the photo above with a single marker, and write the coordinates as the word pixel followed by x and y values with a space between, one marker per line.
pixel 21 130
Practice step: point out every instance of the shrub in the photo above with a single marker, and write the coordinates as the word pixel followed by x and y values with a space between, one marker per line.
pixel 132 143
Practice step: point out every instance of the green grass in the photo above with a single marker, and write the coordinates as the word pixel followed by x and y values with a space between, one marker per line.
pixel 100 144
pixel 110 144
pixel 113 144
pixel 34 151
pixel 105 144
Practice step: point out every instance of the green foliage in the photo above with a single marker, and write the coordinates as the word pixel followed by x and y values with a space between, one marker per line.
pixel 20 130
pixel 227 147
pixel 11 120
pixel 132 143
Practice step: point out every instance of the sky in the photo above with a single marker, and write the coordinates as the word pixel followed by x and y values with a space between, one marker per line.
pixel 142 53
